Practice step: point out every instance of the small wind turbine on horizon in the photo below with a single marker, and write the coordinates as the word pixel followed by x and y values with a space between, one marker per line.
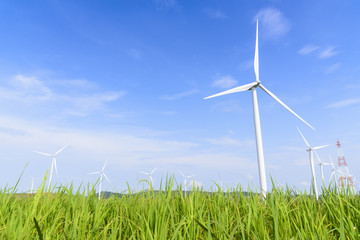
pixel 252 86
pixel 322 164
pixel 333 173
pixel 185 178
pixel 150 176
pixel 310 150
pixel 102 174
pixel 53 162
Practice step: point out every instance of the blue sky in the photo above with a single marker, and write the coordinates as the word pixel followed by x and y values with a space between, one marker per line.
pixel 124 81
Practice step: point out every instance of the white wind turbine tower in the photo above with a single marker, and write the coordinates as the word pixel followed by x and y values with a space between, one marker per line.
pixel 102 174
pixel 252 86
pixel 310 150
pixel 32 185
pixel 321 164
pixel 150 175
pixel 53 162
pixel 185 178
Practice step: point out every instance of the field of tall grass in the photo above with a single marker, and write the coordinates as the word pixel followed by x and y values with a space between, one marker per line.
pixel 68 213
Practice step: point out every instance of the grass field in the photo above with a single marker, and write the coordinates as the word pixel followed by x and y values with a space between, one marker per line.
pixel 69 213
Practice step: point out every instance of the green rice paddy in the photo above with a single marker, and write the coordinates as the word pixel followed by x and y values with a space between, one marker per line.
pixel 68 213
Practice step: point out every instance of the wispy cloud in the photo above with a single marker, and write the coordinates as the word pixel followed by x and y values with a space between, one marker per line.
pixel 344 103
pixel 25 87
pixel 179 95
pixel 73 98
pixel 135 53
pixel 332 68
pixel 215 13
pixel 167 4
pixel 275 24
pixel 246 65
pixel 305 184
pixel 328 52
pixel 227 106
pixel 308 49
pixel 224 82
pixel 228 141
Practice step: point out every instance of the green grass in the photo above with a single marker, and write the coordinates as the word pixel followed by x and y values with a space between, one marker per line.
pixel 68 213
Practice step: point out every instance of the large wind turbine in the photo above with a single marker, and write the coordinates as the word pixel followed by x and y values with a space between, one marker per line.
pixel 53 162
pixel 102 174
pixel 252 86
pixel 310 150
pixel 185 178
pixel 150 175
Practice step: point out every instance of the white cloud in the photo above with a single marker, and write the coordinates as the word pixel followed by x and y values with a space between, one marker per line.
pixel 275 24
pixel 344 103
pixel 167 4
pixel 246 64
pixel 73 98
pixel 305 184
pixel 135 53
pixel 308 49
pixel 228 141
pixel 332 68
pixel 227 106
pixel 328 52
pixel 224 82
pixel 25 88
pixel 179 95
pixel 215 13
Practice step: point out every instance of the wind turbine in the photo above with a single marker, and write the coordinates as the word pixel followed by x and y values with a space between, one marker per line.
pixel 150 175
pixel 53 162
pixel 252 86
pixel 334 171
pixel 186 177
pixel 32 185
pixel 310 150
pixel 102 174
pixel 321 164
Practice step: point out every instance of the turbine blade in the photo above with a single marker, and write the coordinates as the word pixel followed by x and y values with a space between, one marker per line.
pixel 46 154
pixel 317 156
pixel 315 148
pixel 94 173
pixel 144 173
pixel 181 173
pixel 106 177
pixel 154 170
pixel 332 174
pixel 256 58
pixel 104 166
pixel 283 104
pixel 61 150
pixel 307 144
pixel 234 90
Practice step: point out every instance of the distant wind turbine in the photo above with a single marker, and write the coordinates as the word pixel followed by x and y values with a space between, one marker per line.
pixel 334 171
pixel 150 175
pixel 321 164
pixel 53 162
pixel 310 150
pixel 102 174
pixel 252 86
pixel 185 178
